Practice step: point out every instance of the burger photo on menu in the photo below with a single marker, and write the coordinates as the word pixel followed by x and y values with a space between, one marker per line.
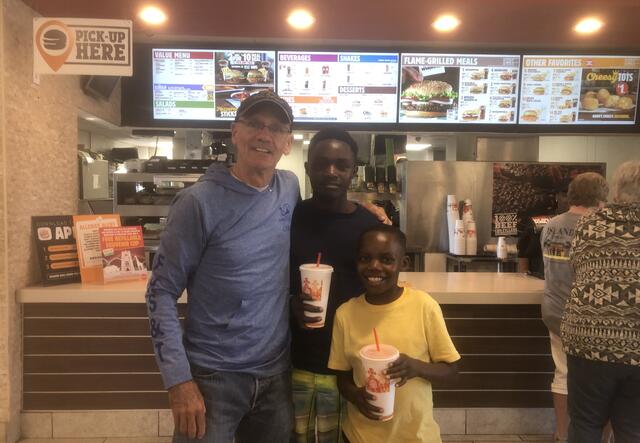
pixel 505 103
pixel 470 114
pixel 539 76
pixel 566 90
pixel 530 115
pixel 538 90
pixel 608 95
pixel 431 97
pixel 507 76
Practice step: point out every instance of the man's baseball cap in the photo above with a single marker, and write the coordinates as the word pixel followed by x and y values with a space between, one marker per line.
pixel 266 98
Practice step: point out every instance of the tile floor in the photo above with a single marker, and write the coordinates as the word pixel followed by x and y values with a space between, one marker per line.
pixel 445 439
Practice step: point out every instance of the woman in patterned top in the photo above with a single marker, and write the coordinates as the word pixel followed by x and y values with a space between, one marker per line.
pixel 601 324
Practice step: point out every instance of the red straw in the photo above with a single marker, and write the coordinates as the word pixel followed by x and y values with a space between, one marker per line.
pixel 318 259
pixel 375 335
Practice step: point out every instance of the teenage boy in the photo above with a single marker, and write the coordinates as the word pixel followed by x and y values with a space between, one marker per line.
pixel 330 224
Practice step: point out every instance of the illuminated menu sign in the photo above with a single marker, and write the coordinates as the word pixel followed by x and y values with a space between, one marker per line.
pixel 339 86
pixel 581 90
pixel 195 84
pixel 459 88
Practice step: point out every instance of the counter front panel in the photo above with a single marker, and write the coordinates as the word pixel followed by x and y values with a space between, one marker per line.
pixel 88 356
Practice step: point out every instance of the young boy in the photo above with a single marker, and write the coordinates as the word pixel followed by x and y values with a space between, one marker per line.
pixel 406 318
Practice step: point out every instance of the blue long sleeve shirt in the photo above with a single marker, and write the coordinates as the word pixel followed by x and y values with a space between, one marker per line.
pixel 227 244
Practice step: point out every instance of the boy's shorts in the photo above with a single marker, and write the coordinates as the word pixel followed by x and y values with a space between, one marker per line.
pixel 319 408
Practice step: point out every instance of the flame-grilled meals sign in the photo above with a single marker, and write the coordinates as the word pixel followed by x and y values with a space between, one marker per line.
pixel 459 88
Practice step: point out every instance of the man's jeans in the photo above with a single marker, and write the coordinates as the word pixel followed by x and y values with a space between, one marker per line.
pixel 598 392
pixel 253 410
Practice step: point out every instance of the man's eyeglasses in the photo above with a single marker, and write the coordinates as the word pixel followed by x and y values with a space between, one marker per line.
pixel 274 130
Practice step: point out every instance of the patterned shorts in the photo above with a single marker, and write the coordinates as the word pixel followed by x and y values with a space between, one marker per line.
pixel 318 406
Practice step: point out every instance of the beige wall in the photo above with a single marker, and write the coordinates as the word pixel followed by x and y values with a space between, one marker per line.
pixel 38 171
pixel 610 149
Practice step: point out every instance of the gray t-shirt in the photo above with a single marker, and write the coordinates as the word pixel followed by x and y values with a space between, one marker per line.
pixel 558 272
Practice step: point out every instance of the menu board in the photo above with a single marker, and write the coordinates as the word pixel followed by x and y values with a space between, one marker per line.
pixel 582 90
pixel 459 88
pixel 196 84
pixel 339 86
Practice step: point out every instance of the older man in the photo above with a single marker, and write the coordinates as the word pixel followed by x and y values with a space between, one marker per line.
pixel 601 323
pixel 227 243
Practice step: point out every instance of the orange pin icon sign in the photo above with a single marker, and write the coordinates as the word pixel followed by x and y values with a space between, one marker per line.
pixel 54 41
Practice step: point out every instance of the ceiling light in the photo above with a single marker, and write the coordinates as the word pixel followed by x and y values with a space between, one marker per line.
pixel 153 15
pixel 91 119
pixel 446 23
pixel 417 146
pixel 306 142
pixel 298 136
pixel 300 19
pixel 588 25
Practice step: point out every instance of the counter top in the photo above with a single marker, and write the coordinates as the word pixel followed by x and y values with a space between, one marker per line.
pixel 445 287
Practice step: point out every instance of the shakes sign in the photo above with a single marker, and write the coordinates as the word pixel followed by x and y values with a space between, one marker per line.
pixel 82 46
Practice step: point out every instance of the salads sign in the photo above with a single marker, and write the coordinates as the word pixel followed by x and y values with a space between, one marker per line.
pixel 82 46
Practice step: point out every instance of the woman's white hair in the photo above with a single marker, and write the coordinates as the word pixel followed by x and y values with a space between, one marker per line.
pixel 626 182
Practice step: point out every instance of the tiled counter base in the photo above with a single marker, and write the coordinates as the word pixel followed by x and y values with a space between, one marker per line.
pixel 494 424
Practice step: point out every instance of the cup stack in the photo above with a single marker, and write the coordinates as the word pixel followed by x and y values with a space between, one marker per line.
pixel 459 243
pixel 453 214
pixel 471 238
pixel 467 211
pixel 501 249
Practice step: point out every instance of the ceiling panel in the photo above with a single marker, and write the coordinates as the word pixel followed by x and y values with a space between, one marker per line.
pixel 537 24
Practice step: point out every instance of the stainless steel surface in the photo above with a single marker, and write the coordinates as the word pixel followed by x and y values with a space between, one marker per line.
pixel 155 177
pixel 425 186
pixel 94 179
pixel 158 204
pixel 522 149
pixel 142 210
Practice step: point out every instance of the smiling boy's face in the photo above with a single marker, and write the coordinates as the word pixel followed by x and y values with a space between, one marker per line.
pixel 380 260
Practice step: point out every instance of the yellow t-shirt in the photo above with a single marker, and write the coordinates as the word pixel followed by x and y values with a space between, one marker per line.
pixel 414 324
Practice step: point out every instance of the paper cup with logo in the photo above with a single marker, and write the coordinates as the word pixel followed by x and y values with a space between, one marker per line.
pixel 374 363
pixel 316 282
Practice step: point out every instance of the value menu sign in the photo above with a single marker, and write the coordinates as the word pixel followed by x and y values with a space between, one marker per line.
pixel 82 46
pixel 339 86
pixel 580 90
pixel 459 88
pixel 196 84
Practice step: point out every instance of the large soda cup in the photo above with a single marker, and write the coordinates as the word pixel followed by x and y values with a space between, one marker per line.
pixel 374 363
pixel 316 282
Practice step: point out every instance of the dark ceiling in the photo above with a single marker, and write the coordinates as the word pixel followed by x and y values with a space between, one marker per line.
pixel 522 24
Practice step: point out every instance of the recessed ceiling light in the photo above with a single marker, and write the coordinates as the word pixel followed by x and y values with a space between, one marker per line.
pixel 152 15
pixel 306 142
pixel 91 119
pixel 588 25
pixel 300 19
pixel 446 23
pixel 297 136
